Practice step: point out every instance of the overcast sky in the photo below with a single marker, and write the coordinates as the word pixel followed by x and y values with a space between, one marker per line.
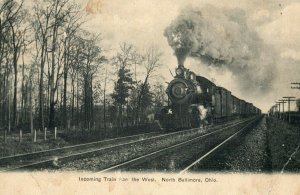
pixel 142 23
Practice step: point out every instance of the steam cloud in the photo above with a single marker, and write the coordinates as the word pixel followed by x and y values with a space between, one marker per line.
pixel 221 38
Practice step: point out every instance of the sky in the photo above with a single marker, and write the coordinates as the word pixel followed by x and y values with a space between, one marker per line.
pixel 275 23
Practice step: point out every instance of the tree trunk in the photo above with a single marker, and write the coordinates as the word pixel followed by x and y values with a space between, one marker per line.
pixel 77 101
pixel 30 108
pixel 65 117
pixel 51 114
pixel 9 120
pixel 15 62
pixel 23 93
pixel 52 85
pixel 141 96
pixel 86 107
pixel 104 101
pixel 91 101
pixel 41 86
pixel 73 101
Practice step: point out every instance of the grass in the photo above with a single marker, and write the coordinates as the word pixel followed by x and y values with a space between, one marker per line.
pixel 13 145
pixel 283 139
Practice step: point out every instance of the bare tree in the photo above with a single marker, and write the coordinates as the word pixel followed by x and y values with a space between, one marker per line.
pixel 56 23
pixel 41 25
pixel 11 20
pixel 151 62
pixel 73 22
pixel 92 60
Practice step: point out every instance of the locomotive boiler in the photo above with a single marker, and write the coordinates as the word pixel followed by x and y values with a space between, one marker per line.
pixel 194 101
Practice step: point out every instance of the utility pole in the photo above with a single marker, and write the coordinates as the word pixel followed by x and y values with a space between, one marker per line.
pixel 278 104
pixel 295 86
pixel 272 111
pixel 283 102
pixel 274 108
pixel 289 99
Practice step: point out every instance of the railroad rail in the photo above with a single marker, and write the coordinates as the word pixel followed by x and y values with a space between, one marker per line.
pixel 53 157
pixel 289 159
pixel 47 156
pixel 160 152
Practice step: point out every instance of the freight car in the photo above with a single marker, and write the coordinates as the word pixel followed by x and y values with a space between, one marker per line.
pixel 195 101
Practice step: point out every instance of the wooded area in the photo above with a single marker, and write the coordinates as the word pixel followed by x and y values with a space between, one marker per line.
pixel 54 73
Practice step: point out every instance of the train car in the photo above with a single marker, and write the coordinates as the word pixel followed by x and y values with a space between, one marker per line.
pixel 225 99
pixel 195 101
pixel 238 105
pixel 247 112
pixel 217 105
pixel 251 109
pixel 236 109
pixel 223 104
pixel 223 93
pixel 228 104
pixel 243 108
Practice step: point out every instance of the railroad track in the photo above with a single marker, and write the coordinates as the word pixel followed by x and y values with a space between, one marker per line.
pixel 54 157
pixel 158 157
pixel 47 157
pixel 290 159
pixel 197 162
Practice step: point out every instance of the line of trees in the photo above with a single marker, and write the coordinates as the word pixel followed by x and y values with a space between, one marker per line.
pixel 55 73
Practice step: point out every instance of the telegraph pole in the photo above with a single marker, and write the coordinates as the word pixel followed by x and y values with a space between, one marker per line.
pixel 278 104
pixel 283 102
pixel 289 99
pixel 274 109
pixel 295 86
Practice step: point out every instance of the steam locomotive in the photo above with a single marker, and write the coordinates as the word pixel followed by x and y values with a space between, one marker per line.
pixel 194 101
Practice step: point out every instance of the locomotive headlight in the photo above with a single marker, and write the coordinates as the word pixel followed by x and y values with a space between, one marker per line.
pixel 179 71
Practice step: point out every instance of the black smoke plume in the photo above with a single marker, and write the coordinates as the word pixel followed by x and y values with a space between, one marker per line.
pixel 221 38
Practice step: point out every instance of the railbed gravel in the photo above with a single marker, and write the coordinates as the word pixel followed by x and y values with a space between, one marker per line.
pixel 177 159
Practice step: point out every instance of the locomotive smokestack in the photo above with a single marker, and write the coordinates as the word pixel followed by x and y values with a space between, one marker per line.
pixel 180 59
pixel 181 54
